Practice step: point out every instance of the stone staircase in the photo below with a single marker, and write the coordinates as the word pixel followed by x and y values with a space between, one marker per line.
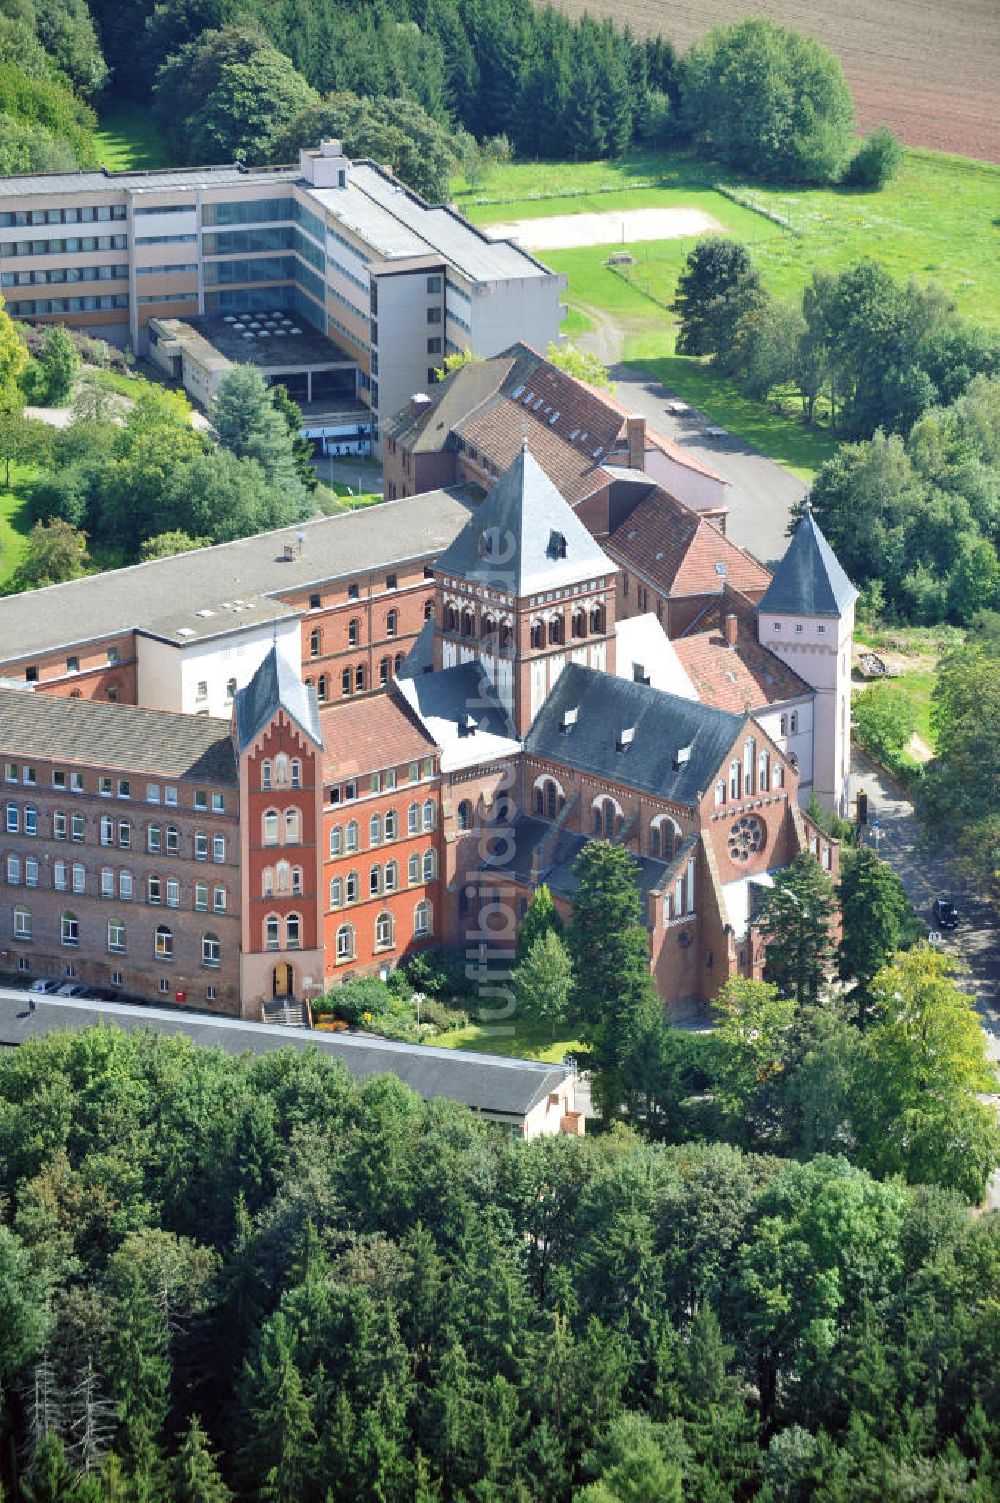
pixel 286 1011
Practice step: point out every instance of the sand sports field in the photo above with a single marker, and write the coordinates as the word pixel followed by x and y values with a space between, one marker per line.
pixel 627 226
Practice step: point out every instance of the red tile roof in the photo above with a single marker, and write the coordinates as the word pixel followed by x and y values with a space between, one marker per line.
pixel 364 735
pixel 745 677
pixel 680 552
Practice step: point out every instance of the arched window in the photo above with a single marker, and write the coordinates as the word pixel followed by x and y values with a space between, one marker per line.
pixel 281 770
pixel 322 688
pixel 607 817
pixel 345 942
pixel 374 881
pixel 749 763
pixel 385 932
pixel 383 671
pixel 172 840
pixel 537 634
pixel 163 943
pixel 428 820
pixel 428 608
pixel 345 681
pixel 69 929
pixel 487 627
pixel 551 797
pixel 734 779
pixel 296 773
pixel 351 887
pixel 359 677
pixel 375 830
pixel 720 792
pixel 297 880
pixel 293 932
pixel 579 622
pixel 450 618
pixel 413 820
pixel 391 876
pixel 391 623
pixel 430 866
pixel 556 629
pixel 506 635
pixel 413 870
pixel 398 662
pixel 116 936
pixel 272 932
pixel 778 776
pixel 423 919
pixel 664 836
pixel 598 820
pixel 315 642
pixel 271 827
pixel 391 824
pixel 293 827
pixel 267 882
pixel 540 799
pixel 763 772
pixel 211 950
pixel 336 892
pixel 283 876
pixel 265 775
pixel 468 624
pixel 465 815
pixel 336 840
pixel 352 834
pixel 79 877
pixel 597 618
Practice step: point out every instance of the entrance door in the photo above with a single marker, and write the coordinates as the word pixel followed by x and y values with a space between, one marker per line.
pixel 282 980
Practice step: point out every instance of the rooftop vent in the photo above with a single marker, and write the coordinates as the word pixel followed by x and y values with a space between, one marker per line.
pixel 557 545
pixel 626 737
pixel 205 612
pixel 570 717
pixel 682 757
pixel 185 631
pixel 468 725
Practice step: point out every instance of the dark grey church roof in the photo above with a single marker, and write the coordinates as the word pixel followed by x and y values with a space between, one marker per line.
pixel 511 541
pixel 809 580
pixel 556 869
pixel 675 748
pixel 276 686
pixel 496 1085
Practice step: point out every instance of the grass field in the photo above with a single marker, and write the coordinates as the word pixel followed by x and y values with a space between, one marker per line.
pixel 938 220
pixel 13 523
pixel 127 139
pixel 527 1041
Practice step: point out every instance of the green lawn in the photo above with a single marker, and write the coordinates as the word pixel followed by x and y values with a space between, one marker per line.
pixel 526 1041
pixel 13 522
pixel 128 140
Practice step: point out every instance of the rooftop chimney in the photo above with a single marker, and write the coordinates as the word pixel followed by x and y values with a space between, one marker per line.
pixel 419 402
pixel 731 627
pixel 635 429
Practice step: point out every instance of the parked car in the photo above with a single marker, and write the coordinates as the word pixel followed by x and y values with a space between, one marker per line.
pixel 45 985
pixel 71 989
pixel 944 914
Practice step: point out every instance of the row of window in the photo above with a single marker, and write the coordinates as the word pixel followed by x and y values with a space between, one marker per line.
pixel 464 623
pixel 159 839
pixel 354 627
pixel 75 245
pixel 355 680
pixel 283 772
pixel 117 936
pixel 382 782
pixel 57 276
pixel 69 876
pixel 109 787
pixel 385 932
pixel 282 828
pixel 383 828
pixel 382 879
pixel 40 307
pixel 74 214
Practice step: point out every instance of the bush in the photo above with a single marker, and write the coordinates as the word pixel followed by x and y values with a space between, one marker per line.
pixel 440 973
pixel 442 1017
pixel 885 719
pixel 876 161
pixel 362 999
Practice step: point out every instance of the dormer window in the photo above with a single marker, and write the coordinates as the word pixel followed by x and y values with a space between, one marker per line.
pixel 468 725
pixel 557 545
pixel 626 737
pixel 570 717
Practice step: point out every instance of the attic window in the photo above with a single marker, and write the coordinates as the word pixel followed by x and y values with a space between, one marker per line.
pixel 681 757
pixel 626 737
pixel 659 555
pixel 639 674
pixel 557 545
pixel 632 535
pixel 518 390
pixel 554 418
pixel 570 717
pixel 720 569
pixel 468 725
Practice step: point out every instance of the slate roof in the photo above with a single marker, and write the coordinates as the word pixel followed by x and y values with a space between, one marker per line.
pixel 662 724
pixel 444 703
pixel 91 733
pixel 365 735
pixel 276 686
pixel 747 676
pixel 494 1084
pixel 509 542
pixel 680 552
pixel 350 544
pixel 556 869
pixel 809 581
pixel 575 431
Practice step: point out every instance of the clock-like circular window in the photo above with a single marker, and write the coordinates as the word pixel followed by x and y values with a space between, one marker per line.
pixel 746 837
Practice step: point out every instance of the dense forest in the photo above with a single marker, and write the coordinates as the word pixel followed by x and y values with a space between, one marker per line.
pixel 248 1277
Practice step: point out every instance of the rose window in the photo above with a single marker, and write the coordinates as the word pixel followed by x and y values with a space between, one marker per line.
pixel 746 837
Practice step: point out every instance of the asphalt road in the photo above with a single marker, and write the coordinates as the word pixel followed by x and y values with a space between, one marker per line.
pixel 761 493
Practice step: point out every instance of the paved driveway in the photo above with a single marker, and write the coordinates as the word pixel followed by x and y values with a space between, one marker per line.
pixel 761 493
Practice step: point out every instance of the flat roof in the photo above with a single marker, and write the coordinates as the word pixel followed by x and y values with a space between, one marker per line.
pixel 500 1086
pixel 219 619
pixel 38 622
pixel 30 184
pixel 276 340
pixel 92 733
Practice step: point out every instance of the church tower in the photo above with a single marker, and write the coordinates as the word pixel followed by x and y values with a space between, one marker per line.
pixel 523 590
pixel 806 618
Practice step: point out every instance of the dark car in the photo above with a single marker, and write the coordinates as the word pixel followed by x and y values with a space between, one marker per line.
pixel 945 914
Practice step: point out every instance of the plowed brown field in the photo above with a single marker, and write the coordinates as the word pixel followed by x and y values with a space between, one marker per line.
pixel 929 69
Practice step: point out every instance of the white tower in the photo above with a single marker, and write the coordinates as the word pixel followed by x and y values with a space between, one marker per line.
pixel 806 618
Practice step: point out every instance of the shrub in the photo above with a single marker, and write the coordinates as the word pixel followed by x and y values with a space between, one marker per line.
pixel 885 719
pixel 875 162
pixel 441 1016
pixel 440 973
pixel 363 998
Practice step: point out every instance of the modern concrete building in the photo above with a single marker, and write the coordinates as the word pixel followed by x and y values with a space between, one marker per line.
pixel 328 250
